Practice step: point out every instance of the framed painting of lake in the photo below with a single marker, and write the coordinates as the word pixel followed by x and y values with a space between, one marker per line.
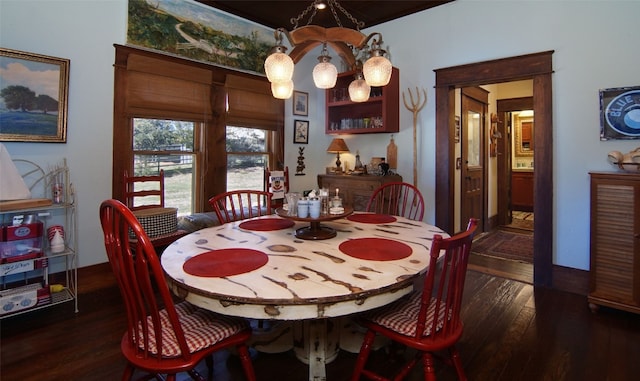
pixel 33 97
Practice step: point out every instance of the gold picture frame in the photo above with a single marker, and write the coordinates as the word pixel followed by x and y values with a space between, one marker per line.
pixel 524 135
pixel 35 102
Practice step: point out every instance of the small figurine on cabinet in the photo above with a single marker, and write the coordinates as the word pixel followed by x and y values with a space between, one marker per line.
pixel 628 162
pixel 384 167
pixel 300 168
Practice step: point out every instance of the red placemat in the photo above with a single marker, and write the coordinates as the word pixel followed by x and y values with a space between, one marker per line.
pixel 267 224
pixel 372 218
pixel 375 249
pixel 225 262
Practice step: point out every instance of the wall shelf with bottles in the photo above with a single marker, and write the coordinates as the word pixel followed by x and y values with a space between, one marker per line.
pixel 381 113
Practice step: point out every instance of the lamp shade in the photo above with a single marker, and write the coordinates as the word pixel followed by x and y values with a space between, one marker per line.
pixel 282 89
pixel 325 74
pixel 359 90
pixel 338 145
pixel 278 67
pixel 377 71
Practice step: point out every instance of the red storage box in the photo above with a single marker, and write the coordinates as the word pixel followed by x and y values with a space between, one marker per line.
pixel 21 242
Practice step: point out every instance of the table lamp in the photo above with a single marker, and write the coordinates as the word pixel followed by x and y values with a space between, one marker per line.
pixel 338 145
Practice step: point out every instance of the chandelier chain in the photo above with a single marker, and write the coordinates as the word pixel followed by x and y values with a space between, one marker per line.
pixel 358 24
pixel 296 20
pixel 312 8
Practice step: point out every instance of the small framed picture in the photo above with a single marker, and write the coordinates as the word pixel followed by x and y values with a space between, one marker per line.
pixel 301 132
pixel 300 103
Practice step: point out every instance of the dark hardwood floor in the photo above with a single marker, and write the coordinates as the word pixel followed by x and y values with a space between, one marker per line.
pixel 513 331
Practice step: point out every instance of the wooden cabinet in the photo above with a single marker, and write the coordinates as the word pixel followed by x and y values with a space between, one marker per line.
pixel 522 191
pixel 379 114
pixel 614 276
pixel 355 190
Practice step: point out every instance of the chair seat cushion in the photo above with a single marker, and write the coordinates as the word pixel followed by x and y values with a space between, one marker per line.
pixel 402 316
pixel 201 328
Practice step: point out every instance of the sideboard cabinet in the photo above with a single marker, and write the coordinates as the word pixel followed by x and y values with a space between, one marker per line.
pixel 355 190
pixel 614 276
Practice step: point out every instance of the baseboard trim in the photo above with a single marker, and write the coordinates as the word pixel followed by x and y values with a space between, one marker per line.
pixel 569 279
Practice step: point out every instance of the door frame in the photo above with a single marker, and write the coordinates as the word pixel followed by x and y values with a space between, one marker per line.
pixel 538 67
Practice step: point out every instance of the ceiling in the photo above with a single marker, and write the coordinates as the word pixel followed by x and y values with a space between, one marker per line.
pixel 275 14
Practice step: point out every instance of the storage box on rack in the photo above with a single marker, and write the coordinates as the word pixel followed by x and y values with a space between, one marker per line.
pixel 157 221
pixel 22 298
pixel 21 242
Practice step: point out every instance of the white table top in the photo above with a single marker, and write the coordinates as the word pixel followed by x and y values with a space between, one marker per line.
pixel 303 279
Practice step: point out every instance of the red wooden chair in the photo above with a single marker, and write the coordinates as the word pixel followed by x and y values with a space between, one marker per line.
pixel 241 205
pixel 427 320
pixel 398 199
pixel 146 193
pixel 162 337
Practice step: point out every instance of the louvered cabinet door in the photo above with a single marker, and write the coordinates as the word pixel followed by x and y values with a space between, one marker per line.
pixel 614 279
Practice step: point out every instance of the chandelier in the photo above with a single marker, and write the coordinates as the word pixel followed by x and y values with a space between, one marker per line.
pixel 351 45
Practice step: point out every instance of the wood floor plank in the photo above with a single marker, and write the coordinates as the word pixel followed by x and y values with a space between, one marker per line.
pixel 513 331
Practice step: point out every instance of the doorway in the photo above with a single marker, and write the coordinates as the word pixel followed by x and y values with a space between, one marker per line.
pixel 538 67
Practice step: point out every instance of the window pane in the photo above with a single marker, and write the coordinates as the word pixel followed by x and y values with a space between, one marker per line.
pixel 242 139
pixel 246 158
pixel 245 171
pixel 173 141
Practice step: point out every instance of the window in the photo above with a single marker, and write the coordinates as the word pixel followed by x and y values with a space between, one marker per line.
pixel 168 145
pixel 247 156
pixel 172 114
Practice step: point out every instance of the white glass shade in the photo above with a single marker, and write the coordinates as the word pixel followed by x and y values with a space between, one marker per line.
pixel 377 71
pixel 359 90
pixel 278 67
pixel 282 89
pixel 325 75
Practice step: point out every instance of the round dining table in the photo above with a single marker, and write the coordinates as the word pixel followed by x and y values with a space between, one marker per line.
pixel 259 269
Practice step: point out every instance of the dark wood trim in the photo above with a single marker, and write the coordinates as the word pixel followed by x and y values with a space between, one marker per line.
pixel 538 67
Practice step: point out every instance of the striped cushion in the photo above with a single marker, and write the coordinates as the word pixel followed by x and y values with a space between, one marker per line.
pixel 402 317
pixel 201 328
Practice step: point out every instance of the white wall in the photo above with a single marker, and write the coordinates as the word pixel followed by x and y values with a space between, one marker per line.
pixel 592 40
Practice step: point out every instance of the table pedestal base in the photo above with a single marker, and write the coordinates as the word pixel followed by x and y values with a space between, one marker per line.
pixel 315 231
pixel 316 342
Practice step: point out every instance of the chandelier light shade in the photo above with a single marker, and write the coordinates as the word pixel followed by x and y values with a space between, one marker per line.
pixel 348 43
pixel 278 66
pixel 282 89
pixel 325 73
pixel 359 90
pixel 377 69
pixel 338 145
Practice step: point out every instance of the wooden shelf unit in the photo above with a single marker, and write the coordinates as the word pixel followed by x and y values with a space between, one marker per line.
pixel 346 117
pixel 614 276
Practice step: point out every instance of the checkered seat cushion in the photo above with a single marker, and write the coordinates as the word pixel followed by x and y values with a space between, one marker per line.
pixel 402 316
pixel 201 328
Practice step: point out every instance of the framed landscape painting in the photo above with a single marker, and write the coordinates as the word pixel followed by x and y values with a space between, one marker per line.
pixel 192 30
pixel 33 97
